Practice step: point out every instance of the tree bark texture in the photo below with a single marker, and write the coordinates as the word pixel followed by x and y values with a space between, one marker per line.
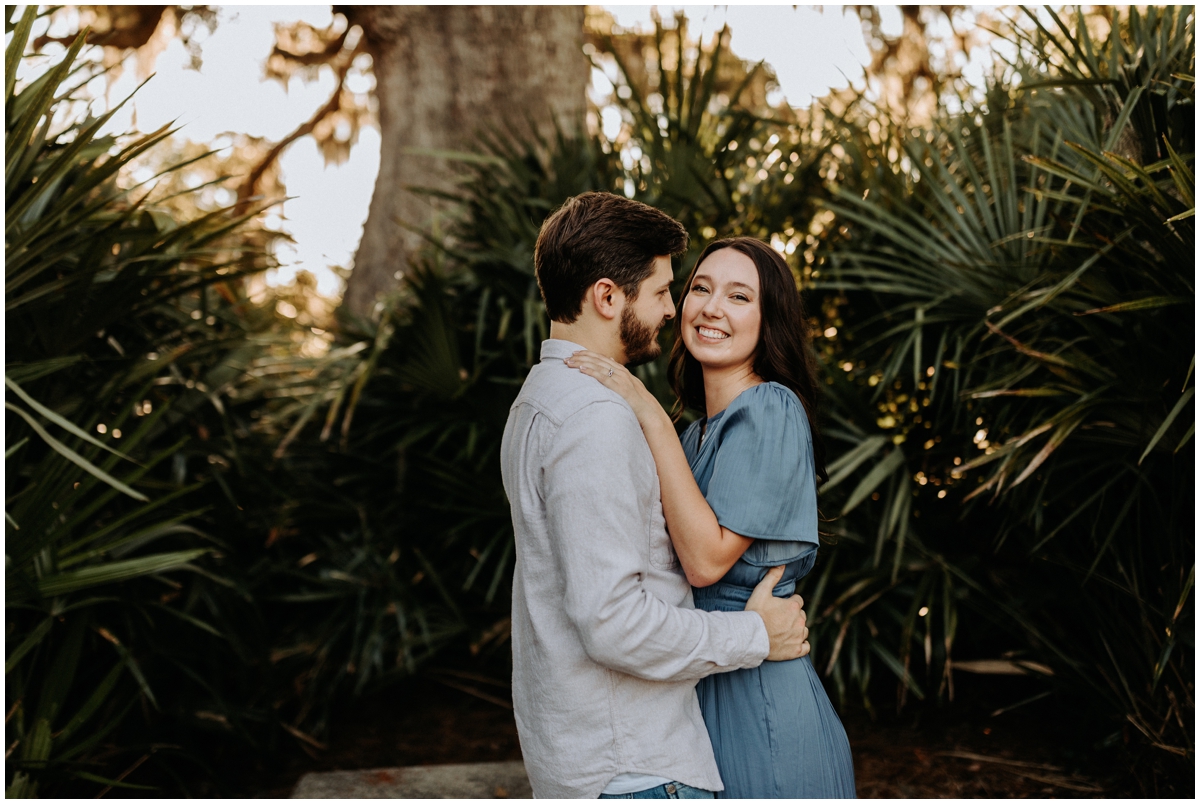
pixel 443 75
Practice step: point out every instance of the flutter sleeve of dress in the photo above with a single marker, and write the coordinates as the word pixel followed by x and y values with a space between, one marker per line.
pixel 763 484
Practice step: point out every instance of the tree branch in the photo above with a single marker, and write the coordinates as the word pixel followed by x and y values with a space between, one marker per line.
pixel 249 187
pixel 322 56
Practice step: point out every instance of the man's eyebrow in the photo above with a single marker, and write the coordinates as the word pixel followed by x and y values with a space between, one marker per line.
pixel 708 279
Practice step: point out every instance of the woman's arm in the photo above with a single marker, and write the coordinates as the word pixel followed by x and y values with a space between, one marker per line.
pixel 705 548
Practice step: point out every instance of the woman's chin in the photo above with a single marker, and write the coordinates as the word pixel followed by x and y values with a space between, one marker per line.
pixel 710 358
pixel 699 345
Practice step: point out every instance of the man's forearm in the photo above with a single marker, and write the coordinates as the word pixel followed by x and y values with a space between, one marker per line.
pixel 639 634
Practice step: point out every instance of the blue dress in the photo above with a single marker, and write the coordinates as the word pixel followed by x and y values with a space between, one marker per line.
pixel 774 732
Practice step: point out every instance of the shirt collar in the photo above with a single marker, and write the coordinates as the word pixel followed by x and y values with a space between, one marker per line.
pixel 555 349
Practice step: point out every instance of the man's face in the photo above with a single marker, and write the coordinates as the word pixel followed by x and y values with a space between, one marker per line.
pixel 642 318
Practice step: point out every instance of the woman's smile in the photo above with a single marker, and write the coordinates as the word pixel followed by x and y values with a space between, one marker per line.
pixel 710 334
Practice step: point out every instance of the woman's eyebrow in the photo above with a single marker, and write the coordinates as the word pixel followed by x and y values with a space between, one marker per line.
pixel 709 280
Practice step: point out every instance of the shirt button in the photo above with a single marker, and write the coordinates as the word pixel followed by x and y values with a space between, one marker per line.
pixel 671 790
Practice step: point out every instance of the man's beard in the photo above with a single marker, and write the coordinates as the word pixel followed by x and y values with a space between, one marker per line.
pixel 640 341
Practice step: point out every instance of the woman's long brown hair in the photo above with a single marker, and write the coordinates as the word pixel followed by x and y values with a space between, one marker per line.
pixel 784 353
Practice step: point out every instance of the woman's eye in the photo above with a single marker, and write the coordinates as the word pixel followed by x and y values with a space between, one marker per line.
pixel 698 288
pixel 740 297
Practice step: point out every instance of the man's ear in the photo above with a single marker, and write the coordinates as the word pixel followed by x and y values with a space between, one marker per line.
pixel 607 299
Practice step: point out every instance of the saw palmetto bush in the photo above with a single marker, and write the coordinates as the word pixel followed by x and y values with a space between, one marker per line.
pixel 1021 314
pixel 700 140
pixel 120 344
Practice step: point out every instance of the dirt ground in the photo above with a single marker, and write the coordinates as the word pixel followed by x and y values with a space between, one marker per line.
pixel 965 750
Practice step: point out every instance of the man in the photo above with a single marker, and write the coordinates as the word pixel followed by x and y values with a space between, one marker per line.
pixel 607 645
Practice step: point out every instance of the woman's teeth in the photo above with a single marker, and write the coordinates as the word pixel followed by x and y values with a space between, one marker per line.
pixel 715 334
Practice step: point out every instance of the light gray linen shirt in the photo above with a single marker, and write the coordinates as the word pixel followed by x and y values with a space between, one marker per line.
pixel 607 644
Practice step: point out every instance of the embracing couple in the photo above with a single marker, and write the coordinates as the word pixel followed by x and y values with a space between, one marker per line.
pixel 658 648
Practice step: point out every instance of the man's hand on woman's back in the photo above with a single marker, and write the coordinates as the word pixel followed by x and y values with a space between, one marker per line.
pixel 784 617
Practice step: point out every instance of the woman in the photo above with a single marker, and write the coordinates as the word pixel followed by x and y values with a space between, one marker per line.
pixel 739 495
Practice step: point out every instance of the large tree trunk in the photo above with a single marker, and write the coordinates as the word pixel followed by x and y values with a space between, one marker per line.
pixel 443 74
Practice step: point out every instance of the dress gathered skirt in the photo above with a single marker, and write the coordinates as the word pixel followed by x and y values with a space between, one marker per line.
pixel 773 728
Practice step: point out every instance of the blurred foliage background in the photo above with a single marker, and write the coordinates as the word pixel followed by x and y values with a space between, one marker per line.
pixel 229 507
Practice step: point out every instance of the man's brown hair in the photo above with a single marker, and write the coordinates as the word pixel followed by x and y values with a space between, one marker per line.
pixel 596 236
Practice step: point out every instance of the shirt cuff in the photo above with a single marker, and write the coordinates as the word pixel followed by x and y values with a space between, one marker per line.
pixel 759 645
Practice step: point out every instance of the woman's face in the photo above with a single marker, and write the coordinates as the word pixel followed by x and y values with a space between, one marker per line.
pixel 721 314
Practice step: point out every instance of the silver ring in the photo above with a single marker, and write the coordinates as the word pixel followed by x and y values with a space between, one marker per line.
pixel 610 371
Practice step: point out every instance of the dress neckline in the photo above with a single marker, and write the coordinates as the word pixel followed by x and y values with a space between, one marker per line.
pixel 707 422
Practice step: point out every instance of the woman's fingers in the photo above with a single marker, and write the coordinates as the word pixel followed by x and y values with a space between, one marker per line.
pixel 610 373
pixel 594 359
pixel 601 367
pixel 771 579
pixel 590 366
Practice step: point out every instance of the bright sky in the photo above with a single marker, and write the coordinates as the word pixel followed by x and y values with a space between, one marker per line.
pixel 810 50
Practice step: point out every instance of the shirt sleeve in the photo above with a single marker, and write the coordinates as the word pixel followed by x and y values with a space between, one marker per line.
pixel 598 491
pixel 763 484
